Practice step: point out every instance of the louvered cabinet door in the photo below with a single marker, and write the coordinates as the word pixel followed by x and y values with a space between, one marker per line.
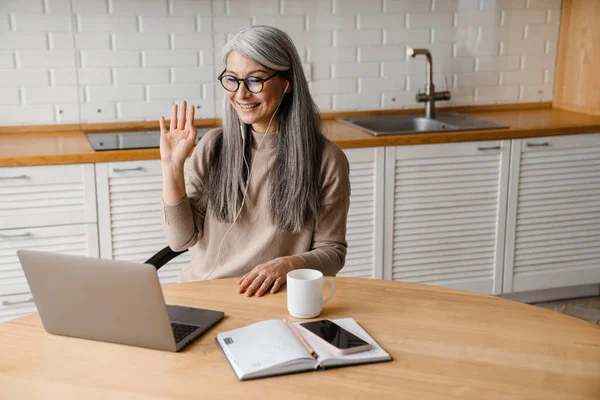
pixel 47 196
pixel 364 232
pixel 130 226
pixel 444 214
pixel 15 296
pixel 553 222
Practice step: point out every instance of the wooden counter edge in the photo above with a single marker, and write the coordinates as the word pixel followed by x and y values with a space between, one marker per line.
pixel 376 141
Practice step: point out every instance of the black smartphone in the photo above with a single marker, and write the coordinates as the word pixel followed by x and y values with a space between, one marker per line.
pixel 343 341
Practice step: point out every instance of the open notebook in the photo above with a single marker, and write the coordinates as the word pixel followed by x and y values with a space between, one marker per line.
pixel 270 348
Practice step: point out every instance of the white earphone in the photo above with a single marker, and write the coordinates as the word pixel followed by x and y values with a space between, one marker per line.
pixel 242 130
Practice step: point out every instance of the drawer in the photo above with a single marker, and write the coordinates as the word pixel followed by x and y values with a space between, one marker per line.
pixel 69 239
pixel 581 145
pixel 16 305
pixel 47 196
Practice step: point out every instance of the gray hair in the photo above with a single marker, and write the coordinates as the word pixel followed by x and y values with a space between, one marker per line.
pixel 295 180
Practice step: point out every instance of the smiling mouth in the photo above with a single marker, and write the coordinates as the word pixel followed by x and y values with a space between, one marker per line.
pixel 248 106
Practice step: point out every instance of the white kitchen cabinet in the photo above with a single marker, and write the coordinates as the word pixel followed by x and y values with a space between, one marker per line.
pixel 129 214
pixel 15 296
pixel 445 214
pixel 364 230
pixel 553 219
pixel 47 196
pixel 46 208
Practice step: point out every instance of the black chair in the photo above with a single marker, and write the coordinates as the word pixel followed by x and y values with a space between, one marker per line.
pixel 163 257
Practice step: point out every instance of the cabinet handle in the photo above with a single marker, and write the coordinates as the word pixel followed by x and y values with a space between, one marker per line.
pixel 489 148
pixel 19 235
pixel 7 303
pixel 543 144
pixel 128 169
pixel 5 178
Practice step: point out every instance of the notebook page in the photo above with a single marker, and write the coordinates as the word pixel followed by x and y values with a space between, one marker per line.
pixel 261 346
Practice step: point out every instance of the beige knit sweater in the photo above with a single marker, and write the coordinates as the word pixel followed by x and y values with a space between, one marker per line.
pixel 253 240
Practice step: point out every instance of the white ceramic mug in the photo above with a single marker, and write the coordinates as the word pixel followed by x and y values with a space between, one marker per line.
pixel 305 292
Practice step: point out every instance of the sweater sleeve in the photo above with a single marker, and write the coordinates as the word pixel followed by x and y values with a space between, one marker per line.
pixel 328 247
pixel 183 222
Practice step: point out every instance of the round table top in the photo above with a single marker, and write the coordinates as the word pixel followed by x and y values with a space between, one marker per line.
pixel 444 343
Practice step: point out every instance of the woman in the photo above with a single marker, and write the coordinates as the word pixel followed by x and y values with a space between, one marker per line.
pixel 267 192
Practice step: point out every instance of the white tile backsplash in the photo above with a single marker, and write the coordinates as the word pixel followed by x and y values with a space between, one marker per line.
pixel 141 76
pixel 392 22
pixel 141 41
pixel 23 41
pixel 289 23
pixel 133 7
pixel 352 7
pixel 114 93
pixel 62 7
pixel 9 96
pixel 355 70
pixel 63 60
pixel 42 23
pixel 412 6
pixel 89 7
pixel 7 59
pixel 92 41
pixel 48 59
pixel 182 8
pixel 4 22
pixel 356 101
pixel 117 58
pixel 358 38
pixel 174 92
pixel 49 94
pixel 105 23
pixel 61 41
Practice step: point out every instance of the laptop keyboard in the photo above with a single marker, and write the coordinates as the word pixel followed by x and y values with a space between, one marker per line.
pixel 180 331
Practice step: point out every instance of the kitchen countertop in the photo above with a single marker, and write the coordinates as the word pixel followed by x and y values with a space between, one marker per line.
pixel 49 147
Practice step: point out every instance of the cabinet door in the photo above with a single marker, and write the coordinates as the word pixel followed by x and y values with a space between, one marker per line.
pixel 47 196
pixel 129 223
pixel 15 296
pixel 444 214
pixel 365 217
pixel 553 222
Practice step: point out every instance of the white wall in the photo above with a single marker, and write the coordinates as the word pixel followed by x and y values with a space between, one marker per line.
pixel 65 61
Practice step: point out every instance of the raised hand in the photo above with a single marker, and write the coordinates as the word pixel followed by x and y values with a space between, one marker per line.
pixel 179 140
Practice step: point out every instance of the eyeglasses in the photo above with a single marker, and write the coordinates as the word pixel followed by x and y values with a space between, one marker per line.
pixel 252 83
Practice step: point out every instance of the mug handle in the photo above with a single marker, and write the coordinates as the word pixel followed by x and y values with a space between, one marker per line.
pixel 332 282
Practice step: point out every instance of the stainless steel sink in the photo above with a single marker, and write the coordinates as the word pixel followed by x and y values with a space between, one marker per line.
pixel 408 124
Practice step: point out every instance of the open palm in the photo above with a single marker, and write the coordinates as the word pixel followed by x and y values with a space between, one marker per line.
pixel 179 140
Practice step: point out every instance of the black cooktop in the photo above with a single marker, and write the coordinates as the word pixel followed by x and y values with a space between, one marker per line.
pixel 130 140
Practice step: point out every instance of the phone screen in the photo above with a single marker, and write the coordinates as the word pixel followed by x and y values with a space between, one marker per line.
pixel 334 334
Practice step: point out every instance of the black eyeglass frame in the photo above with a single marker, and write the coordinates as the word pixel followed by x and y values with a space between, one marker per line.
pixel 262 81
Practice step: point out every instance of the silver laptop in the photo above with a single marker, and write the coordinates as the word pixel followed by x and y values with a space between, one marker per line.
pixel 109 301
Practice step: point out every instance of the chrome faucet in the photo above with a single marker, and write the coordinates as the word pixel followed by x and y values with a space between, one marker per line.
pixel 430 95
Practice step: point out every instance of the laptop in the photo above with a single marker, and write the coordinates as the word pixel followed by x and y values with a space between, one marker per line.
pixel 109 301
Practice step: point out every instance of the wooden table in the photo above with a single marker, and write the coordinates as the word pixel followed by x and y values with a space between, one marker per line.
pixel 445 343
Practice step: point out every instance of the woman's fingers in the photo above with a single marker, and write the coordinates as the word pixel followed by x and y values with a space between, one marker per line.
pixel 189 123
pixel 248 278
pixel 277 285
pixel 255 285
pixel 173 124
pixel 264 288
pixel 163 126
pixel 181 117
pixel 242 279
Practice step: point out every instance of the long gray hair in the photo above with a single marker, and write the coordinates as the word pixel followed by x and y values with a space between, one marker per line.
pixel 294 182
